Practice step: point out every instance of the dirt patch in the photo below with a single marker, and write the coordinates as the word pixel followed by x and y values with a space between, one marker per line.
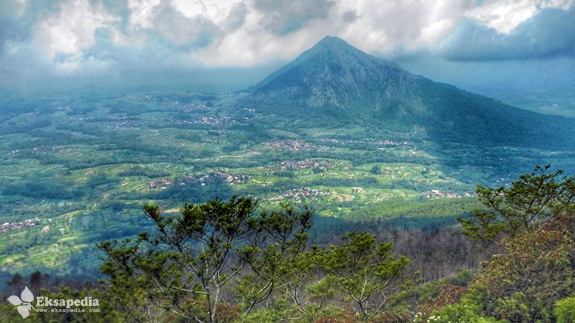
pixel 344 197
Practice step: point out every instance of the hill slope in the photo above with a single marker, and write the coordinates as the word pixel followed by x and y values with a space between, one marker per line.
pixel 334 84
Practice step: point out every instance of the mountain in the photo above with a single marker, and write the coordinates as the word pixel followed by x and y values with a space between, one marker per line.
pixel 334 84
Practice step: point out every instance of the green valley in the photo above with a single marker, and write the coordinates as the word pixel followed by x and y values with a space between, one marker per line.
pixel 81 166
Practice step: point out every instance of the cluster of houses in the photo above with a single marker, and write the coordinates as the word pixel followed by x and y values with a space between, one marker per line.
pixel 209 121
pixel 386 142
pixel 212 121
pixel 437 193
pixel 18 225
pixel 298 194
pixel 303 164
pixel 42 149
pixel 201 179
pixel 297 145
pixel 128 124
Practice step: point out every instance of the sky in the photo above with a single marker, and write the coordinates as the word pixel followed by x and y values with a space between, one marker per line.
pixel 480 45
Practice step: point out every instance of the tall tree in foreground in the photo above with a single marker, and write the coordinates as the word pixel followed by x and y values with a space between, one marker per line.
pixel 365 271
pixel 535 198
pixel 534 222
pixel 184 270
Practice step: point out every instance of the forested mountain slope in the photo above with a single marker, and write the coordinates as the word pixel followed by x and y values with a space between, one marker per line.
pixel 336 85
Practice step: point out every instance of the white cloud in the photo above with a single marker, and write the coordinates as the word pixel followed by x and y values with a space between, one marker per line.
pixel 80 37
pixel 141 13
pixel 249 32
pixel 72 29
pixel 505 16
pixel 371 25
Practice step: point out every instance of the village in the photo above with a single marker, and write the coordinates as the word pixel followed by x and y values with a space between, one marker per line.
pixel 202 179
pixel 207 121
pixel 386 142
pixel 18 225
pixel 191 107
pixel 303 164
pixel 298 194
pixel 297 145
pixel 437 193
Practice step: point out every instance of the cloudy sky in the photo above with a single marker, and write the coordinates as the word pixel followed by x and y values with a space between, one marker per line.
pixel 470 43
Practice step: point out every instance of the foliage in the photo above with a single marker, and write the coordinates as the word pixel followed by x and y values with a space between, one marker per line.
pixel 72 156
pixel 536 271
pixel 30 287
pixel 185 269
pixel 448 295
pixel 461 312
pixel 220 261
pixel 534 198
pixel 83 164
pixel 533 222
pixel 365 271
pixel 565 310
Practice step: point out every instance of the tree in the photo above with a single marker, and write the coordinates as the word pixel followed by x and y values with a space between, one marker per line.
pixel 537 269
pixel 376 169
pixel 534 223
pixel 183 270
pixel 534 198
pixel 364 271
pixel 273 254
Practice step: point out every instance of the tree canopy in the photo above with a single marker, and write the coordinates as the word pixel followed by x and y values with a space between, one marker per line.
pixel 219 260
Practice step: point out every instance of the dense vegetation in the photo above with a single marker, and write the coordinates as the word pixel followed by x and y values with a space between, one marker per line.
pixel 231 261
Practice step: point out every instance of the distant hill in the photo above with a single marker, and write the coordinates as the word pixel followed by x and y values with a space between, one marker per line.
pixel 334 84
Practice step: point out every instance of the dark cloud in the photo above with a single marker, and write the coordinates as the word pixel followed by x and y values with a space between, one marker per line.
pixel 350 16
pixel 87 40
pixel 284 17
pixel 549 34
pixel 236 17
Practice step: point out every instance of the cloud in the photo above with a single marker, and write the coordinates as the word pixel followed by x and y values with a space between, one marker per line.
pixel 71 29
pixel 550 33
pixel 172 25
pixel 11 32
pixel 236 17
pixel 282 30
pixel 122 38
pixel 283 17
pixel 505 15
pixel 392 28
pixel 349 16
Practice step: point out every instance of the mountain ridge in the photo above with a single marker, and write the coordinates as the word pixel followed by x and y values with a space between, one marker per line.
pixel 335 84
pixel 324 71
pixel 327 44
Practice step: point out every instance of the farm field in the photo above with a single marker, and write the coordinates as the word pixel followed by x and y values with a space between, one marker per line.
pixel 80 167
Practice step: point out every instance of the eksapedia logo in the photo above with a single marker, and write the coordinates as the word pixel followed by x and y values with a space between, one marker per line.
pixel 45 304
pixel 22 303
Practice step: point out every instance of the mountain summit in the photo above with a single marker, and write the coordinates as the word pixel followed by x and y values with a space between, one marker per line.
pixel 334 84
pixel 334 74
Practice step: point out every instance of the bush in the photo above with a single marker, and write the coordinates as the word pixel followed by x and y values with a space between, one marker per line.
pixel 565 310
